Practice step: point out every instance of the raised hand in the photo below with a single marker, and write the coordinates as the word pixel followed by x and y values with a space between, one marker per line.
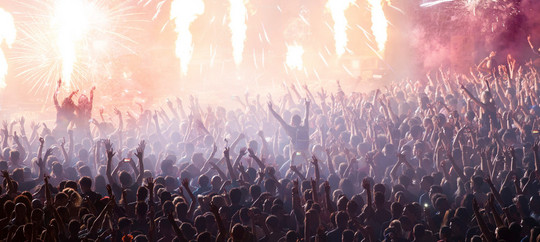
pixel 512 151
pixel 251 153
pixel 185 183
pixel 326 185
pixel 365 184
pixel 15 137
pixel 295 187
pixel 226 152
pixel 5 174
pixel 109 190
pixel 109 148
pixel 314 160
pixel 63 142
pixel 214 209
pixel 21 122
pixel 241 167
pixel 108 144
pixel 41 141
pixel 140 150
pixel 150 184
pixel 242 152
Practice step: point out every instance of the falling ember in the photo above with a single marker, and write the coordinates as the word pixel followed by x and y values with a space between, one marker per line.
pixel 184 12
pixel 238 15
pixel 337 10
pixel 294 57
pixel 71 19
pixel 379 24
pixel 8 34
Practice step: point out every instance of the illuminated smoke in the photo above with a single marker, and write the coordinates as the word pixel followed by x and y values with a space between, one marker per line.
pixel 294 57
pixel 337 10
pixel 7 34
pixel 238 15
pixel 379 24
pixel 184 12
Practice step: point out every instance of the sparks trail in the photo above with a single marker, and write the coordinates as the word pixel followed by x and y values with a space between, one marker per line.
pixel 73 40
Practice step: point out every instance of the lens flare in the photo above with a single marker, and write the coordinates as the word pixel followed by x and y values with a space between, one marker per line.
pixel 184 12
pixel 238 15
pixel 294 57
pixel 379 24
pixel 7 34
pixel 337 10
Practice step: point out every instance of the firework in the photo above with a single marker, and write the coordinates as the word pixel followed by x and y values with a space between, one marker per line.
pixel 337 10
pixel 379 24
pixel 184 12
pixel 7 34
pixel 238 16
pixel 72 40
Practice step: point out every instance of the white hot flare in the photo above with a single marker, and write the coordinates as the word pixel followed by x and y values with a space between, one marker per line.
pixel 7 34
pixel 184 12
pixel 294 57
pixel 71 21
pixel 379 24
pixel 337 10
pixel 238 17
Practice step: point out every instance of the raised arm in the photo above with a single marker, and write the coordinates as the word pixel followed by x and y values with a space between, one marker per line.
pixel 223 232
pixel 192 205
pixel 306 117
pixel 473 98
pixel 140 156
pixel 277 116
pixel 229 165
pixel 481 223
pixel 315 163
pixel 110 155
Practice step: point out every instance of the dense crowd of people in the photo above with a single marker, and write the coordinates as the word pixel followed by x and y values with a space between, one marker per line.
pixel 449 157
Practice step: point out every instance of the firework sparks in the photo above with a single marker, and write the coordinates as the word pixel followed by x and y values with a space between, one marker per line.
pixel 71 19
pixel 7 34
pixel 379 24
pixel 431 4
pixel 70 39
pixel 184 12
pixel 337 10
pixel 294 57
pixel 238 16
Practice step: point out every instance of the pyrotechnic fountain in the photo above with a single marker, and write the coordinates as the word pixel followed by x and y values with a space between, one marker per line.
pixel 237 24
pixel 7 34
pixel 184 12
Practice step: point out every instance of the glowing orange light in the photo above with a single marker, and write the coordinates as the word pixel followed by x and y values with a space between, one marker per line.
pixel 184 12
pixel 7 34
pixel 379 24
pixel 238 16
pixel 337 10
pixel 294 57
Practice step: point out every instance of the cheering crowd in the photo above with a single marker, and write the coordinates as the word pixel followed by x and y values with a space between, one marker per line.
pixel 448 157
